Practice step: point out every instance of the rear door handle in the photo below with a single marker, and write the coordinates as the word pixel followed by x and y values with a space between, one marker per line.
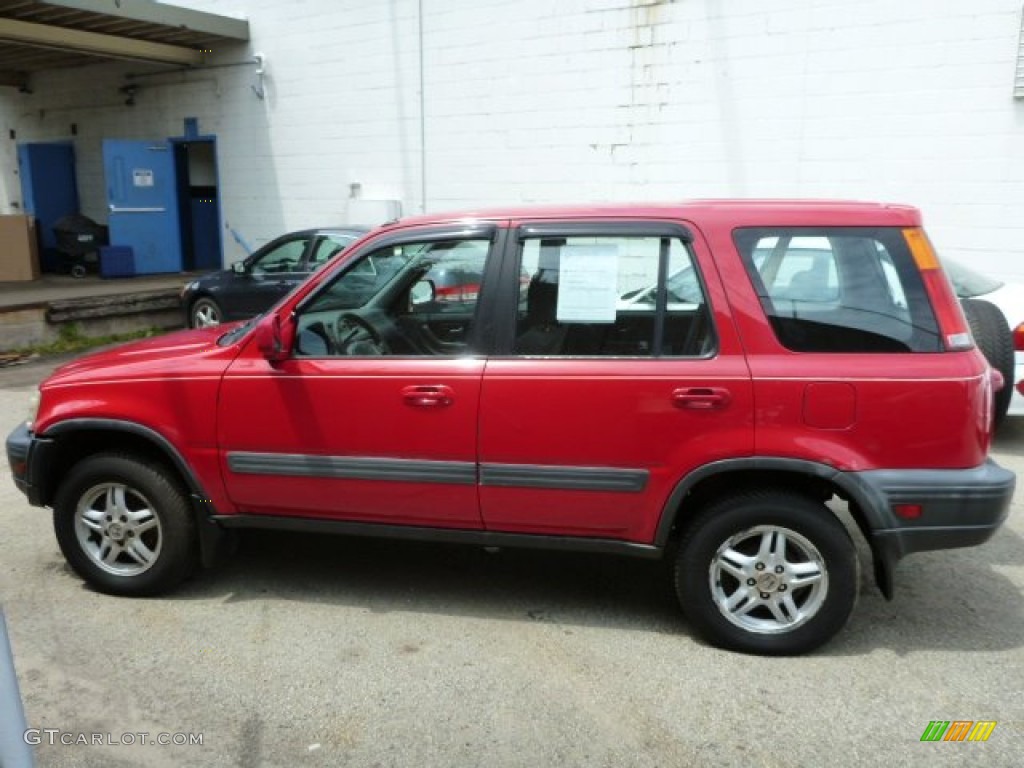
pixel 701 398
pixel 428 395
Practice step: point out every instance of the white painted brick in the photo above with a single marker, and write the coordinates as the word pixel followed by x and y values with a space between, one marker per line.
pixel 585 100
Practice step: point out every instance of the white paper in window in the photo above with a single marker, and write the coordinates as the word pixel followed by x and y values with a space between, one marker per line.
pixel 588 279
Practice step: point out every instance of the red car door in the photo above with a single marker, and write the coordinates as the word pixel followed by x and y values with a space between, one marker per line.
pixel 373 417
pixel 623 373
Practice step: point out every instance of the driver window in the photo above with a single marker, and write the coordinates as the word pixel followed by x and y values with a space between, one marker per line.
pixel 282 258
pixel 413 299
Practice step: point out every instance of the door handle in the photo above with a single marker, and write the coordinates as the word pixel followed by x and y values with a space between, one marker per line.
pixel 701 398
pixel 428 395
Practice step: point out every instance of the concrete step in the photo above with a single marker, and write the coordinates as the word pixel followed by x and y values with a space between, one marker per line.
pixel 33 313
pixel 93 307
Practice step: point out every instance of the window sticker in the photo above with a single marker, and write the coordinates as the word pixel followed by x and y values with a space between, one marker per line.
pixel 588 284
pixel 142 177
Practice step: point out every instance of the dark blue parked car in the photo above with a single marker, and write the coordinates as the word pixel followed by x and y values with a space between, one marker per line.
pixel 254 285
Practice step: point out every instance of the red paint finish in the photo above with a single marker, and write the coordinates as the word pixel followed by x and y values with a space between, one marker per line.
pixel 169 384
pixel 358 408
pixel 912 411
pixel 667 417
pixel 588 413
pixel 830 405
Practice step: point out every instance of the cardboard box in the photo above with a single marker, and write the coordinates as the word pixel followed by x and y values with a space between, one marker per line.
pixel 19 249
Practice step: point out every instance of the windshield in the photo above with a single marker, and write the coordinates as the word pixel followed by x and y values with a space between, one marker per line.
pixel 966 282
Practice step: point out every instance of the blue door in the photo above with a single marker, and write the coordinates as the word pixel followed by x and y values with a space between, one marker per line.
pixel 48 189
pixel 143 200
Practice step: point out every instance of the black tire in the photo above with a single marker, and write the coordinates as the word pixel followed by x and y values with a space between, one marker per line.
pixel 815 542
pixel 994 338
pixel 131 516
pixel 205 313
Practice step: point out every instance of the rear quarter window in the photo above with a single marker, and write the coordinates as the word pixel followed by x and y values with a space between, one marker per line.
pixel 850 289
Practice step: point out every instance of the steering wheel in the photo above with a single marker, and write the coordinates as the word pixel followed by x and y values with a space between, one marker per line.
pixel 356 335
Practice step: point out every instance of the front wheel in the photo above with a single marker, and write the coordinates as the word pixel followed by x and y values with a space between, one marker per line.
pixel 768 572
pixel 205 313
pixel 124 526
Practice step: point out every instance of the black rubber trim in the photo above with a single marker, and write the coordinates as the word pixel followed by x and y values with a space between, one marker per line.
pixel 969 505
pixel 489 306
pixel 21 445
pixel 960 507
pixel 117 425
pixel 450 472
pixel 861 495
pixel 443 535
pixel 211 538
pixel 430 233
pixel 18 443
pixel 867 498
pixel 564 478
pixel 502 308
pixel 342 467
pixel 625 227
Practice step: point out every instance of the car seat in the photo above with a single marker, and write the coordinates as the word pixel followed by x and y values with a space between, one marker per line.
pixel 544 335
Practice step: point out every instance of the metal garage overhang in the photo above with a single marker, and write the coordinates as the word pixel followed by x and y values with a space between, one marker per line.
pixel 56 34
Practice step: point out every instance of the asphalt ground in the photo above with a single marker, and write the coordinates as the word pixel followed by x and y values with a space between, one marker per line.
pixel 312 650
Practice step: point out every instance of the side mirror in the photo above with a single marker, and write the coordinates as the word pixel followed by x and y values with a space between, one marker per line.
pixel 239 268
pixel 274 339
pixel 421 293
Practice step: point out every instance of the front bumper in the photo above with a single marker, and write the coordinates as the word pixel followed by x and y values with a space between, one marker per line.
pixel 22 445
pixel 959 507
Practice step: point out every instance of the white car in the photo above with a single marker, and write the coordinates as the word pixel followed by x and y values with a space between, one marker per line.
pixel 1009 298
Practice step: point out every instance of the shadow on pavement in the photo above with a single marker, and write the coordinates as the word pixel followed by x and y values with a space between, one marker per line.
pixel 951 600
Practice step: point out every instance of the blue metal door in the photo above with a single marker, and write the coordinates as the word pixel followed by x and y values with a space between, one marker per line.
pixel 48 189
pixel 143 200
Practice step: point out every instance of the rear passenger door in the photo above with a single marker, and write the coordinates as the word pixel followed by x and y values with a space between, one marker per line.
pixel 617 372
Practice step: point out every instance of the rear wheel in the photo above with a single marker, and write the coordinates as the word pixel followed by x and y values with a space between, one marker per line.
pixel 994 338
pixel 205 313
pixel 124 526
pixel 768 572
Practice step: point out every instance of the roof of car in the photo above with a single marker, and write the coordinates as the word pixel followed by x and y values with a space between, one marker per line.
pixel 347 228
pixel 741 212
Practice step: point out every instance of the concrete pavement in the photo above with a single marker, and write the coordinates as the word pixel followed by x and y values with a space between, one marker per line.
pixel 310 650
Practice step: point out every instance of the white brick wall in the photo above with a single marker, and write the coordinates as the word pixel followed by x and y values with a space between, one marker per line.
pixel 580 100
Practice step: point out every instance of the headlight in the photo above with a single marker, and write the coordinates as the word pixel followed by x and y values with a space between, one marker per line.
pixel 33 409
pixel 188 288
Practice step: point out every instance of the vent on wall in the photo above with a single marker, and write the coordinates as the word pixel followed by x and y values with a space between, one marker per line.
pixel 1018 80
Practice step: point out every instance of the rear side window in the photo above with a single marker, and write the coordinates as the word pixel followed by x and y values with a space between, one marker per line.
pixel 852 289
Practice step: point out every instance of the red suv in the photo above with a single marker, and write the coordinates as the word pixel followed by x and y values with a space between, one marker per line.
pixel 713 380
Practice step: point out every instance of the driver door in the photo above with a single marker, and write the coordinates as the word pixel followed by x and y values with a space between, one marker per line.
pixel 374 416
pixel 269 274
